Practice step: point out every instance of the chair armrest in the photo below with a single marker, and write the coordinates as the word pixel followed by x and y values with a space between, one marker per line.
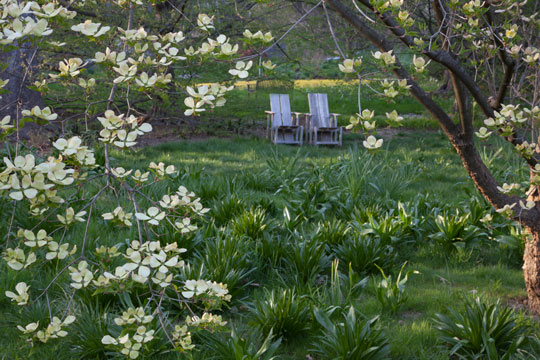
pixel 305 122
pixel 296 117
pixel 269 123
pixel 335 118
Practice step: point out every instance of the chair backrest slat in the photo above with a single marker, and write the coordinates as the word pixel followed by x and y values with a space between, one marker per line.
pixel 275 107
pixel 286 119
pixel 281 107
pixel 318 107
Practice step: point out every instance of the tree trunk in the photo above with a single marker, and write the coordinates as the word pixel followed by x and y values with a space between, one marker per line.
pixel 21 67
pixel 531 269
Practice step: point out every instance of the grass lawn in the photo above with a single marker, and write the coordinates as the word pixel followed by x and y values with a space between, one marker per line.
pixel 280 215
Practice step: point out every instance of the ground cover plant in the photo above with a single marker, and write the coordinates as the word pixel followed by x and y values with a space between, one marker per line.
pixel 258 245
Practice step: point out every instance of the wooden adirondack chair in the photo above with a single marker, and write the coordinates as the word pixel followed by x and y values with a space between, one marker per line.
pixel 322 127
pixel 281 127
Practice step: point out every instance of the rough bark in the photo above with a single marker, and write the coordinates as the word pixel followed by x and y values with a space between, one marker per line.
pixel 21 66
pixel 531 269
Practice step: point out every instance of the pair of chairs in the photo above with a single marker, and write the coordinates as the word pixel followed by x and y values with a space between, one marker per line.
pixel 286 127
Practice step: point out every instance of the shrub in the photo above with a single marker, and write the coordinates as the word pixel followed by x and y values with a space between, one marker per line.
pixel 485 331
pixel 235 347
pixel 331 232
pixel 227 260
pixel 306 258
pixel 388 228
pixel 225 210
pixel 252 223
pixel 260 181
pixel 455 232
pixel 312 198
pixel 364 252
pixel 88 331
pixel 210 189
pixel 390 294
pixel 272 248
pixel 350 339
pixel 283 311
pixel 344 287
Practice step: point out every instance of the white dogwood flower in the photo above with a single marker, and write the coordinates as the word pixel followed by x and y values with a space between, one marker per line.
pixel 90 28
pixel 371 143
pixel 21 297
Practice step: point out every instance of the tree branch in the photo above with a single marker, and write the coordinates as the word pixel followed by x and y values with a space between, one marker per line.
pixel 380 41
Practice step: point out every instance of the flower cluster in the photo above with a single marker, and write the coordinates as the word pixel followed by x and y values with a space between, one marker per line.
pixel 265 38
pixel 386 58
pixel 212 95
pixel 118 216
pixel 371 143
pixel 146 261
pixel 350 65
pixel 241 69
pixel 80 276
pixel 69 68
pixel 45 113
pixel 210 293
pixel 54 330
pixel 161 170
pixel 73 150
pixel 32 240
pixel 509 117
pixel 206 321
pixel 135 333
pixel 120 130
pixel 90 28
pixel 182 338
pixel 420 64
pixel 23 19
pixel 17 259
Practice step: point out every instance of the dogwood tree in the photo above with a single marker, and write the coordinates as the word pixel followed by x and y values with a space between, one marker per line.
pixel 58 195
pixel 490 48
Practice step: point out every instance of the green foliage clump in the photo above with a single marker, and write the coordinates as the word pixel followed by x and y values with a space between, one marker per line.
pixel 282 311
pixel 236 347
pixel 391 294
pixel 483 330
pixel 365 253
pixel 350 338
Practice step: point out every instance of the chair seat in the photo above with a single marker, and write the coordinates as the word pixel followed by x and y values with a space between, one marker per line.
pixel 327 142
pixel 288 127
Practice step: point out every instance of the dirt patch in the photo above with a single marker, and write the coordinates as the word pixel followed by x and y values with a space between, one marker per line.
pixel 391 132
pixel 410 315
pixel 520 303
pixel 177 129
pixel 39 138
